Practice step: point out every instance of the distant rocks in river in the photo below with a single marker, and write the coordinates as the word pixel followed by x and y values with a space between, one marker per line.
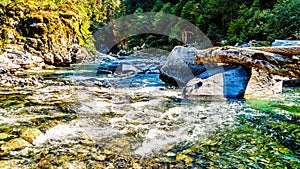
pixel 125 66
pixel 285 42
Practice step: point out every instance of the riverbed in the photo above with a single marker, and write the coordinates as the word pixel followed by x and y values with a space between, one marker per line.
pixel 90 120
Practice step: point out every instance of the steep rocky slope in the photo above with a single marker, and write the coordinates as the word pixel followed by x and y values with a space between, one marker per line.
pixel 51 32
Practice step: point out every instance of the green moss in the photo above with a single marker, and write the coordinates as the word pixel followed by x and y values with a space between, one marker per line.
pixel 48 19
pixel 272 105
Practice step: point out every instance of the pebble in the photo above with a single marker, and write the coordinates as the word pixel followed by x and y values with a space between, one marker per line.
pixel 9 80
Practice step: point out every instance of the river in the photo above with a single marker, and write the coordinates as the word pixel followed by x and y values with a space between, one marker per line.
pixel 87 120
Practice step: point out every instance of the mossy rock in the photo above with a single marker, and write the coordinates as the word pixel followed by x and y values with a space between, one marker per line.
pixel 30 134
pixel 58 24
pixel 4 136
pixel 15 144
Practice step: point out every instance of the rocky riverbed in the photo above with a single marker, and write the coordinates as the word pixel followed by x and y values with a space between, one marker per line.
pixel 77 117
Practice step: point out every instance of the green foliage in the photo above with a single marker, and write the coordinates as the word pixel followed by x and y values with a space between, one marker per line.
pixel 189 11
pixel 285 19
pixel 234 20
pixel 158 5
pixel 166 8
pixel 251 24
pixel 52 20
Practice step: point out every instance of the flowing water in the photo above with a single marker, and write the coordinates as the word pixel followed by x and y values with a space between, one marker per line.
pixel 104 121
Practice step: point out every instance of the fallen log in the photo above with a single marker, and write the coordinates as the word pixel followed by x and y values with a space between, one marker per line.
pixel 283 50
pixel 284 65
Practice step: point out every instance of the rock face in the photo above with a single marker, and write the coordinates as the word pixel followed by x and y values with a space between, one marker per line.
pixel 55 36
pixel 262 84
pixel 13 60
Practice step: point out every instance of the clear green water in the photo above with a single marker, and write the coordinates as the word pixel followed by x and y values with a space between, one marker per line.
pixel 146 126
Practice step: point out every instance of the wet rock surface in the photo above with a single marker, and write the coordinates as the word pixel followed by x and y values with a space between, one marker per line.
pixel 180 66
pixel 224 82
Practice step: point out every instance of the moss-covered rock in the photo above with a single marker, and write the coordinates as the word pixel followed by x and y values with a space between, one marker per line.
pixel 15 144
pixel 43 27
pixel 56 31
pixel 30 134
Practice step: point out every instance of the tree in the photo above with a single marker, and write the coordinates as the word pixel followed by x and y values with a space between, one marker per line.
pixel 285 19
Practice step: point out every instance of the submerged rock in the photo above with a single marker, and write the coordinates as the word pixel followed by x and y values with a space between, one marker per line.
pixel 4 136
pixel 9 80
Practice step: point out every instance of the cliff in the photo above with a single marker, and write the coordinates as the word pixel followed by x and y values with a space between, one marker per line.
pixel 54 32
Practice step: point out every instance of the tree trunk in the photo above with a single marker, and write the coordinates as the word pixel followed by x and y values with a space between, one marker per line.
pixel 275 60
pixel 283 50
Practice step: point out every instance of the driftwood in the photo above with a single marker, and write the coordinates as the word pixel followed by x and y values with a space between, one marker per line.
pixel 275 60
pixel 283 50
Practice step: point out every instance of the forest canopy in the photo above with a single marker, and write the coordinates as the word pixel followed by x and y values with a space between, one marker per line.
pixel 230 20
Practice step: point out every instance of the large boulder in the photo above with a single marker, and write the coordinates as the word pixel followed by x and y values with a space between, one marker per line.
pixel 227 81
pixel 181 67
pixel 232 82
pixel 263 84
